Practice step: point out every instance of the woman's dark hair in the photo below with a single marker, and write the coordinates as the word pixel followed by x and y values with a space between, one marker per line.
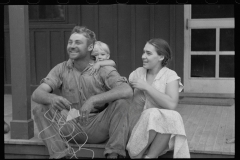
pixel 162 48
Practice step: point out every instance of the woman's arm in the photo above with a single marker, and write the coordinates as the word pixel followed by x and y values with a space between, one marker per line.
pixel 169 100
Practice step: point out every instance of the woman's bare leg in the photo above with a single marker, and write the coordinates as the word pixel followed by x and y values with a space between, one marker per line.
pixel 158 145
pixel 152 135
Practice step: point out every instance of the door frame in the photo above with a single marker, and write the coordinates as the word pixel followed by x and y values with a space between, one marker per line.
pixel 205 85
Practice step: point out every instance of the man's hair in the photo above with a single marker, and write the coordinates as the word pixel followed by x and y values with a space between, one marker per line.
pixel 90 35
pixel 162 48
pixel 100 46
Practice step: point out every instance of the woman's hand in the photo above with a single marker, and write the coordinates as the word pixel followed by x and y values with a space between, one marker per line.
pixel 95 68
pixel 139 84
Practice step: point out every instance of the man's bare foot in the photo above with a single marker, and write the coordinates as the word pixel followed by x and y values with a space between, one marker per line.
pixel 6 128
pixel 231 140
pixel 112 156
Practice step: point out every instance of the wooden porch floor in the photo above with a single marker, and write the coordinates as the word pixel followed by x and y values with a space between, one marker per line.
pixel 207 127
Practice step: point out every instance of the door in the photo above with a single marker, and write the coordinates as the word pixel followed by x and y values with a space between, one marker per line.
pixel 209 49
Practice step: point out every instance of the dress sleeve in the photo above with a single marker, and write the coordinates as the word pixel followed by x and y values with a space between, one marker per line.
pixel 173 76
pixel 53 78
pixel 132 76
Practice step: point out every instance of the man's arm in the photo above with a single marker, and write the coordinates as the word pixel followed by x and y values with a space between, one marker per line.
pixel 121 91
pixel 42 95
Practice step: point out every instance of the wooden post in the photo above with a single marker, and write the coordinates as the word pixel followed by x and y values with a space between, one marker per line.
pixel 22 126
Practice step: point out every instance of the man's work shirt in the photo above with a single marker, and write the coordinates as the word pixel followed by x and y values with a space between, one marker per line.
pixel 77 86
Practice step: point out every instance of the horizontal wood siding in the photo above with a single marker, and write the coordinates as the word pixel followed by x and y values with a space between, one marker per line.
pixel 125 28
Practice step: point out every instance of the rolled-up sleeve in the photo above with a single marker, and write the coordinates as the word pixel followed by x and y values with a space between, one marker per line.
pixel 53 78
pixel 111 77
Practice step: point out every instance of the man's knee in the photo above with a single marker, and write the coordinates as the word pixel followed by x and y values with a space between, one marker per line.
pixel 39 109
pixel 122 104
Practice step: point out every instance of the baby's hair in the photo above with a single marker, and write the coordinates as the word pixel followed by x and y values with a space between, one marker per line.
pixel 101 47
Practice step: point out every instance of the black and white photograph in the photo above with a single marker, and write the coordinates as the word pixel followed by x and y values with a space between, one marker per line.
pixel 119 81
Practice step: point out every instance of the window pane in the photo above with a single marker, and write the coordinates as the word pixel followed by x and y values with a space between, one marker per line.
pixel 226 68
pixel 227 39
pixel 202 65
pixel 203 40
pixel 213 11
pixel 46 12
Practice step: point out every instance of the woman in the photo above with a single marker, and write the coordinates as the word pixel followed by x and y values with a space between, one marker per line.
pixel 156 91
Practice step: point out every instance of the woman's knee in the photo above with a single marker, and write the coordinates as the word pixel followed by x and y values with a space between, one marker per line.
pixel 151 110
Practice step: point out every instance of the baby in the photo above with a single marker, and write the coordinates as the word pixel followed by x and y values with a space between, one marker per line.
pixel 101 55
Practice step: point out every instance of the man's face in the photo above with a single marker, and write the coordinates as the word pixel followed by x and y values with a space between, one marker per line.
pixel 78 47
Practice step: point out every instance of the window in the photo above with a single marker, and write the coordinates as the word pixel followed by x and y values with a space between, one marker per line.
pixel 46 13
pixel 212 11
pixel 42 13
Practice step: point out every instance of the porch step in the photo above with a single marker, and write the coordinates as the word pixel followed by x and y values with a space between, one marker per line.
pixel 208 95
pixel 39 151
pixel 207 99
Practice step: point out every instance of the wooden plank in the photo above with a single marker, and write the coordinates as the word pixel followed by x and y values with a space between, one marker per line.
pixel 33 59
pixel 226 148
pixel 57 52
pixel 115 32
pixel 105 28
pixel 214 129
pixel 142 31
pixel 194 124
pixel 220 140
pixel 172 35
pixel 87 16
pixel 179 45
pixel 7 57
pixel 66 38
pixel 133 37
pixel 41 46
pixel 186 112
pixel 206 130
pixel 162 22
pixel 200 127
pixel 152 22
pixel 95 20
pixel 189 123
pixel 20 156
pixel 124 39
pixel 22 124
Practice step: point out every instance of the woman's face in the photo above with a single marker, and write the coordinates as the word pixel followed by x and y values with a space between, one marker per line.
pixel 150 57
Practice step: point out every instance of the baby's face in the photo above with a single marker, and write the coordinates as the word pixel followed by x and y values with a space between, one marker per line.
pixel 100 56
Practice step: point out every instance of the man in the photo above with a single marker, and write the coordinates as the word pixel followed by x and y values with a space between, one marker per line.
pixel 102 100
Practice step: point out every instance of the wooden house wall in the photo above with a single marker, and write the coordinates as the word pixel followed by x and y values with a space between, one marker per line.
pixel 125 28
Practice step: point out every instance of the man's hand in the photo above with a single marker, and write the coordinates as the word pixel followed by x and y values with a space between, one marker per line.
pixel 85 110
pixel 139 84
pixel 60 103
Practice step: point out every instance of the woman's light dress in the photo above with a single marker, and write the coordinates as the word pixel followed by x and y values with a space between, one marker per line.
pixel 163 121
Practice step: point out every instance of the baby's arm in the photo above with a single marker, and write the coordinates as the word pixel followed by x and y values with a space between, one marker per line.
pixel 98 64
pixel 107 62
